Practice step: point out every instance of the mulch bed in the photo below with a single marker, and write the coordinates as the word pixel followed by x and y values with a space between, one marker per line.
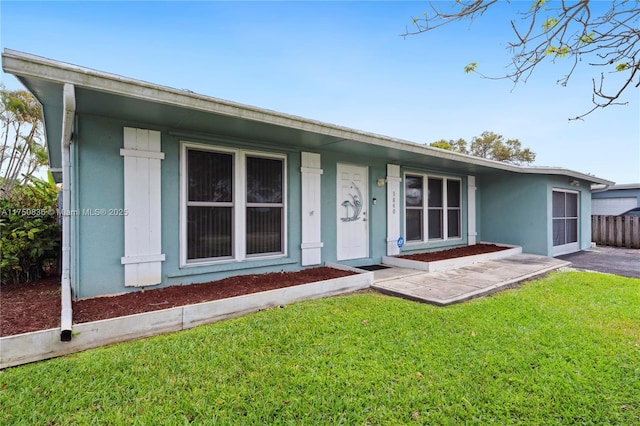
pixel 36 306
pixel 456 252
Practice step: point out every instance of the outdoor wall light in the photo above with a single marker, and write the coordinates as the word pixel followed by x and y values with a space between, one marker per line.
pixel 574 183
pixel 381 182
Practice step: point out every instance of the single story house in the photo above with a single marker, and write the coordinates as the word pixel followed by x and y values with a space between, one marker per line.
pixel 164 186
pixel 615 200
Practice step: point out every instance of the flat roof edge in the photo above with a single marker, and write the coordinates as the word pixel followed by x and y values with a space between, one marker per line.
pixel 28 65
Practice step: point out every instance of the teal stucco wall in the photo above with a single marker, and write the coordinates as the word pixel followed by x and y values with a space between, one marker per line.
pixel 510 208
pixel 517 209
pixel 98 186
pixel 513 210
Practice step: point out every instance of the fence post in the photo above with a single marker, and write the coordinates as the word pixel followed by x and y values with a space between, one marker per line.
pixel 611 241
pixel 618 230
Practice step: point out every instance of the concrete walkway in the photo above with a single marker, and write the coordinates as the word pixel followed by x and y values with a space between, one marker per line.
pixel 458 285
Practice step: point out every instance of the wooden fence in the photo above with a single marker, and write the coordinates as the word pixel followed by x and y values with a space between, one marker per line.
pixel 620 231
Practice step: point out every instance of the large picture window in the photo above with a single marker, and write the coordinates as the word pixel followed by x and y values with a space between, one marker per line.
pixel 441 204
pixel 233 206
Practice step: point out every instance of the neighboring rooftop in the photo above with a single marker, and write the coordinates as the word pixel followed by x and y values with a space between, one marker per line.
pixel 620 186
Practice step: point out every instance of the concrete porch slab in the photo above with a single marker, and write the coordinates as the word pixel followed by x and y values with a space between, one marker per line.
pixel 467 282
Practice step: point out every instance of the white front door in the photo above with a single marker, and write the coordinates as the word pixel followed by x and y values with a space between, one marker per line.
pixel 352 212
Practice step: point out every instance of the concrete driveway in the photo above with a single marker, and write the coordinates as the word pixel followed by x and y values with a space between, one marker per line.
pixel 612 260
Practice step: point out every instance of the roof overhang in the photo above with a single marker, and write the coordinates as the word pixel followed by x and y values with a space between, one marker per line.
pixel 188 113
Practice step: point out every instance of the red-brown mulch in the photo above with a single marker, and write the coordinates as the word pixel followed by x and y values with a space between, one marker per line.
pixel 456 252
pixel 36 306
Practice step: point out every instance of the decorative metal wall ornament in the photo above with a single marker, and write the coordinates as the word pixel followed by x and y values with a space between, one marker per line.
pixel 355 203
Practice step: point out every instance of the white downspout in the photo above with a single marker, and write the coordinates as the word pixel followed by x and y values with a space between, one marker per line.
pixel 69 111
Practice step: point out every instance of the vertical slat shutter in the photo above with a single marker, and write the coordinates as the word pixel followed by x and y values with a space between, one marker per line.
pixel 393 209
pixel 142 258
pixel 311 223
pixel 471 210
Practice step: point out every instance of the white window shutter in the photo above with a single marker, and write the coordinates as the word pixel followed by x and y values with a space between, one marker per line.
pixel 471 210
pixel 393 209
pixel 311 205
pixel 142 258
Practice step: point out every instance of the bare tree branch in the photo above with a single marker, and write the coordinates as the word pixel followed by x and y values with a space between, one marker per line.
pixel 558 31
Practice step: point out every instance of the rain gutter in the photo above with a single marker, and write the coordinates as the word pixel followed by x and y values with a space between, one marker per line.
pixel 69 111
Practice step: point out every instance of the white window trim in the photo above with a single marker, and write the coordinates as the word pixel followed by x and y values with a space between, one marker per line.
pixel 239 204
pixel 425 208
pixel 568 247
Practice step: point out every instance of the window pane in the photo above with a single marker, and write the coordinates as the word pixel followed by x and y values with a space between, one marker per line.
pixel 435 224
pixel 572 230
pixel 209 232
pixel 435 192
pixel 572 205
pixel 264 230
pixel 453 193
pixel 558 232
pixel 210 176
pixel 558 204
pixel 264 180
pixel 453 223
pixel 413 191
pixel 414 225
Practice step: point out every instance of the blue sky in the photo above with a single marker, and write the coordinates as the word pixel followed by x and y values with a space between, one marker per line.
pixel 343 63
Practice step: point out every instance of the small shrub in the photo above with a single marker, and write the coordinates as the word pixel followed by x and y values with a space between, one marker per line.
pixel 29 231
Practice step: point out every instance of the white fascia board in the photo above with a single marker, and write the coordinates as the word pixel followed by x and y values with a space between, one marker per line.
pixel 25 64
pixel 540 170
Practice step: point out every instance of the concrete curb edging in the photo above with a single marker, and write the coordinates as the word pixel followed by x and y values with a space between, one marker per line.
pixel 448 264
pixel 39 345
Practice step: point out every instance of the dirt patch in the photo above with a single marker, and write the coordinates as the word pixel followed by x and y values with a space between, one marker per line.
pixel 456 252
pixel 36 306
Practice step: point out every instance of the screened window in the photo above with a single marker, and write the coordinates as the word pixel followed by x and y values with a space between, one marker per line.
pixel 209 205
pixel 414 208
pixel 565 218
pixel 453 209
pixel 435 208
pixel 234 205
pixel 264 205
pixel 438 213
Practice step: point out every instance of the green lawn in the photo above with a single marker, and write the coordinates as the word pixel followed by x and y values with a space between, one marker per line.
pixel 561 350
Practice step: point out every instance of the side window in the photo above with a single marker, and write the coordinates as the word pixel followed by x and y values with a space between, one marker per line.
pixel 432 208
pixel 209 205
pixel 413 194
